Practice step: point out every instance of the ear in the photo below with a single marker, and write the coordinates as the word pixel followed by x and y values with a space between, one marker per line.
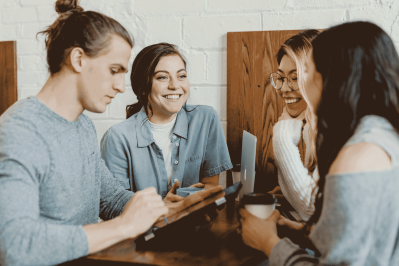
pixel 76 58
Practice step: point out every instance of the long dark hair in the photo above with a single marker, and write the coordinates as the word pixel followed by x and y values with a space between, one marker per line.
pixel 359 66
pixel 89 30
pixel 143 71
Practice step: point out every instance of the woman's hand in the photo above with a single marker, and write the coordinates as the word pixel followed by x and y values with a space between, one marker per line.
pixel 258 233
pixel 292 225
pixel 276 190
pixel 192 199
pixel 171 196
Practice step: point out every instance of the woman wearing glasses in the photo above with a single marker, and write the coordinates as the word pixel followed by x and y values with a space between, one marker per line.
pixel 297 173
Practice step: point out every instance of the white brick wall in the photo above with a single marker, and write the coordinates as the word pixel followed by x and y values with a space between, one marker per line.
pixel 198 27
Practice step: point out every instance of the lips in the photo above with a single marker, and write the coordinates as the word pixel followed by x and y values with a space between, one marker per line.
pixel 292 100
pixel 172 96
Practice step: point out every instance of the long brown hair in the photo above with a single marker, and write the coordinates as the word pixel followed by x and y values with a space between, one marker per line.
pixel 89 30
pixel 297 47
pixel 143 71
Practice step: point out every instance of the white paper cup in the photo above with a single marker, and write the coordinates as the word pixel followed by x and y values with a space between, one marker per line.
pixel 259 204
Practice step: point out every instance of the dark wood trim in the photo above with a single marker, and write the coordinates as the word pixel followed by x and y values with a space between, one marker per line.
pixel 8 75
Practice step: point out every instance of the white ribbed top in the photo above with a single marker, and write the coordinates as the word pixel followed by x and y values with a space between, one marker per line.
pixel 296 183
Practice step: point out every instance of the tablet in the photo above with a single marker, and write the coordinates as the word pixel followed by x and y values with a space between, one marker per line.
pixel 183 217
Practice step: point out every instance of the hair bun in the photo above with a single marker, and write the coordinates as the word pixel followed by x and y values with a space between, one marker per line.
pixel 63 6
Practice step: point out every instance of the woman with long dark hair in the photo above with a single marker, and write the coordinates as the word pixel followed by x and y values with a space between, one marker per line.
pixel 165 143
pixel 352 85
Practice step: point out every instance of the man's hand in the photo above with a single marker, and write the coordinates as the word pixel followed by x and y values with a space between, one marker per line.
pixel 258 233
pixel 171 196
pixel 141 212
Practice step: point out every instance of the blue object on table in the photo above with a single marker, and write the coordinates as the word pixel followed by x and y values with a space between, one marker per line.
pixel 187 191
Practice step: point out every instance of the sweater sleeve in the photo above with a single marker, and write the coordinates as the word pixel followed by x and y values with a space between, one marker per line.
pixel 113 196
pixel 296 183
pixel 115 157
pixel 25 238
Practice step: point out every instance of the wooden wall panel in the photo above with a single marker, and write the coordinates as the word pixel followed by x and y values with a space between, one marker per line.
pixel 8 75
pixel 252 103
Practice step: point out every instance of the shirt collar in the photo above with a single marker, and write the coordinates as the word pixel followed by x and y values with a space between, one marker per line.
pixel 144 135
pixel 181 126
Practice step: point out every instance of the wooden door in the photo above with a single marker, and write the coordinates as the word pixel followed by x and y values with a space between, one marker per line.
pixel 8 75
pixel 252 103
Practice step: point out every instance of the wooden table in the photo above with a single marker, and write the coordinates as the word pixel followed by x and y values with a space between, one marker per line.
pixel 216 243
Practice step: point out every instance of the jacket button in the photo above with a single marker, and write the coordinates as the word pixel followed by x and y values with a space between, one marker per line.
pixel 174 137
pixel 177 144
pixel 176 162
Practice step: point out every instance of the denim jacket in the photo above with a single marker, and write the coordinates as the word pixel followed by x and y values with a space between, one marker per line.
pixel 199 150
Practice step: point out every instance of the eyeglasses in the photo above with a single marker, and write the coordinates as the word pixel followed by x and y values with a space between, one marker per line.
pixel 277 81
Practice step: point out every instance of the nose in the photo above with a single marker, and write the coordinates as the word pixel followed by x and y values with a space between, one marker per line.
pixel 173 84
pixel 119 84
pixel 285 87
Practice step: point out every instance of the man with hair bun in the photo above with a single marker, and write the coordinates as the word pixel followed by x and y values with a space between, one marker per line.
pixel 53 183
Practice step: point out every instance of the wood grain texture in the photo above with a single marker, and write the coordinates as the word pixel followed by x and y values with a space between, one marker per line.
pixel 8 75
pixel 216 243
pixel 252 103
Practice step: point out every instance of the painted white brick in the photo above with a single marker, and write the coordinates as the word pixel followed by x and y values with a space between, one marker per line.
pixel 245 5
pixel 47 13
pixel 211 32
pixel 14 15
pixel 37 2
pixel 115 8
pixel 224 126
pixel 222 179
pixel 117 109
pixel 195 66
pixel 30 47
pixel 103 126
pixel 316 19
pixel 215 97
pixel 26 92
pixel 158 30
pixel 32 63
pixel 8 3
pixel 30 30
pixel 29 79
pixel 92 115
pixel 216 66
pixel 170 6
pixel 383 17
pixel 328 3
pixel 9 32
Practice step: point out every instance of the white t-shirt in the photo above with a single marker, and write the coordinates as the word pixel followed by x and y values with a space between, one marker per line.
pixel 162 134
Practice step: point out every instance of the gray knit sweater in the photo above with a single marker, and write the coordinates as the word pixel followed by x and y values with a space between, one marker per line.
pixel 359 224
pixel 52 181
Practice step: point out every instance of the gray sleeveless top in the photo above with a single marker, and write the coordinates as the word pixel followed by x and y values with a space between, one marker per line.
pixel 359 224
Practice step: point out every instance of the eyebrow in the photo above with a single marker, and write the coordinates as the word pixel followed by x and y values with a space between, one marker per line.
pixel 183 69
pixel 291 71
pixel 121 67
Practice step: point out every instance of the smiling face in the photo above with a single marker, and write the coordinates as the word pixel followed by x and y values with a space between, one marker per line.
pixel 102 77
pixel 313 82
pixel 293 99
pixel 170 89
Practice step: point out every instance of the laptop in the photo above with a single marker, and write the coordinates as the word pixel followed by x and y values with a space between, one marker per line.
pixel 248 158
